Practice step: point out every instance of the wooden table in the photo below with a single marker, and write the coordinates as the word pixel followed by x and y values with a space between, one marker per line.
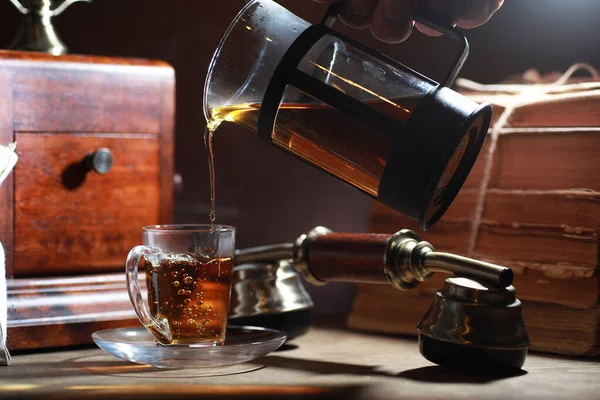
pixel 326 363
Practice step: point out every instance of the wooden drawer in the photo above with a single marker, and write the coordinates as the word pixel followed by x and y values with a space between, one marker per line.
pixel 67 219
pixel 56 219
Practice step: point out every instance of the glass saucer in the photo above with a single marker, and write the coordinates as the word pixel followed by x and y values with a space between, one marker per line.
pixel 242 344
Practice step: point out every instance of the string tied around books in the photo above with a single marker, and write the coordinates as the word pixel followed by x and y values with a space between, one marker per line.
pixel 519 95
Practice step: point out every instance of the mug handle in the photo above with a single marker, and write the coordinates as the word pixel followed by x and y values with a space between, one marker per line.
pixel 158 327
pixel 423 15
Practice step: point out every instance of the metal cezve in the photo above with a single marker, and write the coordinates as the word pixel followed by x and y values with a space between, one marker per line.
pixel 475 321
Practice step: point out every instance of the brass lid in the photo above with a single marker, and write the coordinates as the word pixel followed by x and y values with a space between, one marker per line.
pixel 469 290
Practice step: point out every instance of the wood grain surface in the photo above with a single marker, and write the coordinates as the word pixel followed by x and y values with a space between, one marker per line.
pixel 65 311
pixel 69 221
pixel 349 257
pixel 86 94
pixel 327 363
pixel 167 150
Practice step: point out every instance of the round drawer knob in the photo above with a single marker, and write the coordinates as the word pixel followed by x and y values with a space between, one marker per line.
pixel 100 161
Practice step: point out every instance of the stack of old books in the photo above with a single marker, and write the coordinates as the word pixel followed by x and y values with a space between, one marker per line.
pixel 540 216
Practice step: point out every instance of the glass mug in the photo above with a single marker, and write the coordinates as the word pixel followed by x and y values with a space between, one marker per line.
pixel 188 272
pixel 364 118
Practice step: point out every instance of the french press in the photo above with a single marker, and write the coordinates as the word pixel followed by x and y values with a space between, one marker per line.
pixel 372 122
pixel 387 130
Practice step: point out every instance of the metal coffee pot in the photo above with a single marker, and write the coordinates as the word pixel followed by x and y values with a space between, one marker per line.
pixel 475 321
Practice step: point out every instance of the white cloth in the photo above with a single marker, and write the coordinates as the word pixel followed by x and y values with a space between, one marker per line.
pixel 8 159
pixel 4 354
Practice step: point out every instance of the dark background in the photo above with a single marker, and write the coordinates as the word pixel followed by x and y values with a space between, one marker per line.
pixel 267 194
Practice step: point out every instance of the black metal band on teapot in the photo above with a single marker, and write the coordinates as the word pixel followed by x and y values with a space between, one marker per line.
pixel 423 147
pixel 281 78
pixel 287 74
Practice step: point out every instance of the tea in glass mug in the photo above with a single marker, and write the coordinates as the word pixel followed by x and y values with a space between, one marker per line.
pixel 188 271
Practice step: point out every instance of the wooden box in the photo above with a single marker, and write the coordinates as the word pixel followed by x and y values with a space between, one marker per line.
pixel 66 228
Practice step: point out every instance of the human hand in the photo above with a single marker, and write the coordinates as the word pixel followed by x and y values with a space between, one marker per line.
pixel 392 20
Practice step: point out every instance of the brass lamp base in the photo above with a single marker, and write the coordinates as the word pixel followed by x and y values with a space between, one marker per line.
pixel 36 32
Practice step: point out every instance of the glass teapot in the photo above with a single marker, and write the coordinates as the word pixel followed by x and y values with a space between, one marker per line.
pixel 399 136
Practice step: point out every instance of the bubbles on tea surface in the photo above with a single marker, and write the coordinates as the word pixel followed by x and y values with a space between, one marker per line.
pixel 181 292
pixel 176 283
pixel 187 301
pixel 154 259
pixel 178 259
pixel 187 311
pixel 188 280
